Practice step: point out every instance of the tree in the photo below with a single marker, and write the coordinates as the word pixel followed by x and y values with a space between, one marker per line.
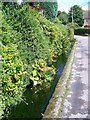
pixel 50 9
pixel 77 13
pixel 63 17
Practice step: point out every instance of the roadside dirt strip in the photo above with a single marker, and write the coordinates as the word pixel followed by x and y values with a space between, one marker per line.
pixel 54 107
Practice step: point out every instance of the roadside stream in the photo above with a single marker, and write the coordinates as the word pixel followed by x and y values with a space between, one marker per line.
pixel 37 98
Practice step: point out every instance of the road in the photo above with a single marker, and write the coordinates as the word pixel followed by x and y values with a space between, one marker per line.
pixel 76 104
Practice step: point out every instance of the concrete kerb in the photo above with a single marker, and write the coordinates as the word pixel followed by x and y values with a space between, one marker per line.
pixel 55 103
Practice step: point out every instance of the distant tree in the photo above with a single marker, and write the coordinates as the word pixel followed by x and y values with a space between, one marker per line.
pixel 63 17
pixel 77 15
pixel 50 9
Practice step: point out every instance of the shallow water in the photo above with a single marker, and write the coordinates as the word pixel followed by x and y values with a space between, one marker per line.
pixel 38 97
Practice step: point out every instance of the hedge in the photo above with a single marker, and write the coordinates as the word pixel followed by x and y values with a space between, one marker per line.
pixel 30 44
pixel 82 31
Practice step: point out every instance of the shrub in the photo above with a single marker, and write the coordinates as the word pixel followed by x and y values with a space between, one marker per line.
pixel 12 69
pixel 82 31
pixel 74 25
pixel 13 76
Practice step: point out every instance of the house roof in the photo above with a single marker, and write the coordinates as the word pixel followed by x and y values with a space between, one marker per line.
pixel 86 14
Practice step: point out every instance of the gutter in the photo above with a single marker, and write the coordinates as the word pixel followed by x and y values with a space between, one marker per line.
pixel 55 104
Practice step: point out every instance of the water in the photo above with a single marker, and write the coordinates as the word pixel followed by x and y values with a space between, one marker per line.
pixel 38 97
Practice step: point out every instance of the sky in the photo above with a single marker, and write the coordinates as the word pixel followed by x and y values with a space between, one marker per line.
pixel 64 5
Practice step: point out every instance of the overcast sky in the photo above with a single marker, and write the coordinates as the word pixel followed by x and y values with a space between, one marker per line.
pixel 64 5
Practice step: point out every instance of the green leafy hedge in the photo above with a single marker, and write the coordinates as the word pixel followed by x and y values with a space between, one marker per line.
pixel 29 45
pixel 82 31
pixel 13 76
pixel 13 69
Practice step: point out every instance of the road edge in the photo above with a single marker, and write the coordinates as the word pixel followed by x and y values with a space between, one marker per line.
pixel 55 104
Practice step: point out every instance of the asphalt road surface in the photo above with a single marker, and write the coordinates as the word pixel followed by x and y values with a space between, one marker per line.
pixel 76 104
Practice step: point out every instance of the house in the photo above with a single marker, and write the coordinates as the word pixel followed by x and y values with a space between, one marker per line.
pixel 37 7
pixel 86 17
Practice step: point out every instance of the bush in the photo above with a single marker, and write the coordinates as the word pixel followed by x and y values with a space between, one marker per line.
pixel 12 69
pixel 13 76
pixel 74 26
pixel 82 31
pixel 29 45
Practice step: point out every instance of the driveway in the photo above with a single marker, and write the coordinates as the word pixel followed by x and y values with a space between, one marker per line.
pixel 76 103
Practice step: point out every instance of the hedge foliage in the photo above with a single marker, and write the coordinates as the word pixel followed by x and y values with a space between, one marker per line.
pixel 82 31
pixel 29 45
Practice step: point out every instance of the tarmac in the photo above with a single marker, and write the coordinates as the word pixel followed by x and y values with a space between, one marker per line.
pixel 76 104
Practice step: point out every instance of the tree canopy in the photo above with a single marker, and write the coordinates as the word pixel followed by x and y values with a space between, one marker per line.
pixel 63 17
pixel 77 15
pixel 50 9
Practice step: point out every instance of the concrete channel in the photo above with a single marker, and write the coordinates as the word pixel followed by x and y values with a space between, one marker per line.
pixel 56 102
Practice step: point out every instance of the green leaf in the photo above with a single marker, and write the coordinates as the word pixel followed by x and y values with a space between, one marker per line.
pixel 34 73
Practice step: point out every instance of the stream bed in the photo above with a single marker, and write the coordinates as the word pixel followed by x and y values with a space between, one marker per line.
pixel 38 97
